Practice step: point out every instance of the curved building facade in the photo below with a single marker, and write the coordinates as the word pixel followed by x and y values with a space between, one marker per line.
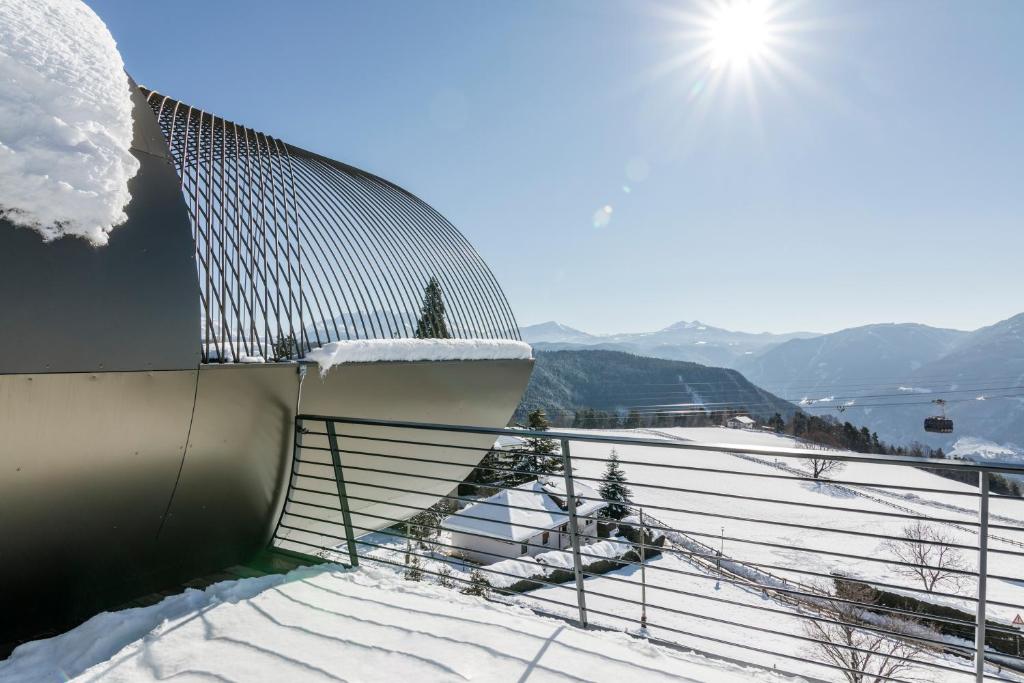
pixel 149 388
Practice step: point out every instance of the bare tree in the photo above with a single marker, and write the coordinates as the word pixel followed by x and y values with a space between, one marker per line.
pixel 929 556
pixel 820 466
pixel 864 655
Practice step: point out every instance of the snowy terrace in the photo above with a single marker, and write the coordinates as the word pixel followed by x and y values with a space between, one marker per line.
pixel 739 553
pixel 332 624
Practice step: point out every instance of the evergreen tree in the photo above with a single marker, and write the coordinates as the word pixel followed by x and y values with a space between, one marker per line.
pixel 478 585
pixel 543 456
pixel 777 424
pixel 431 324
pixel 613 488
pixel 632 420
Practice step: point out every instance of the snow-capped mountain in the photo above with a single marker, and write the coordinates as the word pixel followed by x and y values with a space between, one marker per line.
pixel 690 341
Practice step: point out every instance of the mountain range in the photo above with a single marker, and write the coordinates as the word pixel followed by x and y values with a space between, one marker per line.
pixel 883 376
pixel 688 341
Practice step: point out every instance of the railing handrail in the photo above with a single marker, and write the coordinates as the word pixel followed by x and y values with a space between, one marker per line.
pixel 771 451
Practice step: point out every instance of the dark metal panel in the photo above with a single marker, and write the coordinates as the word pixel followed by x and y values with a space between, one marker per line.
pixel 130 305
pixel 87 466
pixel 235 468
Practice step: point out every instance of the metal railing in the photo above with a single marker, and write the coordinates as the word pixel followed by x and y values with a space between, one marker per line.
pixel 294 250
pixel 815 582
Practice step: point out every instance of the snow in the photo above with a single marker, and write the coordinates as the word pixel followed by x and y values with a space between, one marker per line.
pixel 65 121
pixel 373 350
pixel 684 594
pixel 519 513
pixel 330 624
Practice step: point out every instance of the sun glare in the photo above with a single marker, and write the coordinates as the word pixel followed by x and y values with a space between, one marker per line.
pixel 738 33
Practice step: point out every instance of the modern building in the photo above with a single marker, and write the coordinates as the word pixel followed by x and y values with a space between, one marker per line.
pixel 149 388
pixel 524 520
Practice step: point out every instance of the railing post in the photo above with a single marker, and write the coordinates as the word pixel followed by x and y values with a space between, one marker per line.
pixel 979 631
pixel 339 478
pixel 574 537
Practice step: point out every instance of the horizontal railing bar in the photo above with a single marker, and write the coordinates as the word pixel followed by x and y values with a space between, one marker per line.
pixel 683 531
pixel 817 597
pixel 685 553
pixel 800 454
pixel 760 475
pixel 704 637
pixel 716 515
pixel 484 568
pixel 839 508
pixel 667 609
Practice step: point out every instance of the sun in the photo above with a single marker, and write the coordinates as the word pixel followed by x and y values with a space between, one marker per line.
pixel 738 33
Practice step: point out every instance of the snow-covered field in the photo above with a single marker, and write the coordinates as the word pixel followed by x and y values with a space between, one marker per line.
pixel 331 624
pixel 716 619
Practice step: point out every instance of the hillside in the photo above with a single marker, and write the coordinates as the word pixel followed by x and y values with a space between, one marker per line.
pixel 888 374
pixel 564 381
pixel 856 355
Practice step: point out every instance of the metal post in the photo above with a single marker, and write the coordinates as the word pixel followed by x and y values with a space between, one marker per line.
pixel 574 537
pixel 643 573
pixel 339 477
pixel 979 631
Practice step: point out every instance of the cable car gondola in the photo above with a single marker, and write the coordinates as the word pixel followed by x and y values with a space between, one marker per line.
pixel 939 424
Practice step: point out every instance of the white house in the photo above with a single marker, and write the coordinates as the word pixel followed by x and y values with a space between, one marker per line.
pixel 740 422
pixel 525 520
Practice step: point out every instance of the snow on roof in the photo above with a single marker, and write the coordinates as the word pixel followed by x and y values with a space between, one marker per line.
pixel 65 121
pixel 508 441
pixel 329 624
pixel 517 514
pixel 371 350
pixel 744 419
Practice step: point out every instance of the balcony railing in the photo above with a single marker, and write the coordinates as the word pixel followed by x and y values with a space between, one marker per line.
pixel 887 574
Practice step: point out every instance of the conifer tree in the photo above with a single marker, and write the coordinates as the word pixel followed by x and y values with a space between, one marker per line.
pixel 613 488
pixel 478 585
pixel 431 324
pixel 543 458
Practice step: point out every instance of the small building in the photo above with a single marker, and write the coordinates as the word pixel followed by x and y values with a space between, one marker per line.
pixel 740 422
pixel 524 520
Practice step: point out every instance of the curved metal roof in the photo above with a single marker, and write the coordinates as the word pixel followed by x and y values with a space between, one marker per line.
pixel 294 245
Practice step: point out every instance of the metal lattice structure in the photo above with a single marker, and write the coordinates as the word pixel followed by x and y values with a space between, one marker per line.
pixel 295 250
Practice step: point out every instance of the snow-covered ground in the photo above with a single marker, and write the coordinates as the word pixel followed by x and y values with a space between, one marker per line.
pixel 331 624
pixel 699 607
pixel 65 121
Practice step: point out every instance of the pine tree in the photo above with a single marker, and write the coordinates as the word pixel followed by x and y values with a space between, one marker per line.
pixel 613 488
pixel 633 419
pixel 431 324
pixel 478 585
pixel 542 454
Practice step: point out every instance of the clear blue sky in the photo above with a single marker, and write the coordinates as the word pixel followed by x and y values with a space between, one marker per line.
pixel 874 175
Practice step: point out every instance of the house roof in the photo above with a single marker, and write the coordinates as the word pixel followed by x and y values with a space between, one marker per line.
pixel 519 513
pixel 743 418
pixel 507 441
